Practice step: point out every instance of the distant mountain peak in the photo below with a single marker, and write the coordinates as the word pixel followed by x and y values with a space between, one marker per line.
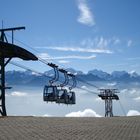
pixel 30 78
pixel 133 74
pixel 99 73
pixel 76 72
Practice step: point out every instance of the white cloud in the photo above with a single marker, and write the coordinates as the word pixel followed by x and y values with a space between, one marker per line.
pixel 76 57
pixel 36 74
pixel 133 113
pixel 137 99
pixel 18 94
pixel 112 84
pixel 86 17
pixel 63 61
pixel 129 43
pixel 132 71
pixel 42 55
pixel 79 49
pixel 84 87
pixel 124 91
pixel 88 45
pixel 102 42
pixel 134 58
pixel 117 41
pixel 133 91
pixel 85 113
pixel 45 115
pixel 97 42
pixel 98 99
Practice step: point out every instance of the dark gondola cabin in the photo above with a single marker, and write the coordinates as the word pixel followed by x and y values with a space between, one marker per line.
pixel 62 96
pixel 50 93
pixel 71 97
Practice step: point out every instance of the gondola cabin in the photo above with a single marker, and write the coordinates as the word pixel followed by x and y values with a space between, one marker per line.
pixel 50 93
pixel 71 98
pixel 62 96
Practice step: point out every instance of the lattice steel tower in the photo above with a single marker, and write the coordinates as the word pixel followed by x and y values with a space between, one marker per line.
pixel 108 95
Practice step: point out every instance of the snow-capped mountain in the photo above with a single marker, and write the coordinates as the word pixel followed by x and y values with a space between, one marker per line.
pixel 99 73
pixel 30 78
pixel 133 74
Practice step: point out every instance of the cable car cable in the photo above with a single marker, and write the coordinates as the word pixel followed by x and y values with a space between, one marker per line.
pixel 74 81
pixel 123 110
pixel 46 62
pixel 79 79
pixel 87 90
pixel 26 68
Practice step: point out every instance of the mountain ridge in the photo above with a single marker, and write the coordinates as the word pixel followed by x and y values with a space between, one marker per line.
pixel 31 78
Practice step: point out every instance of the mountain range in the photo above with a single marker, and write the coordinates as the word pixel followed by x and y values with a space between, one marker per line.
pixel 33 79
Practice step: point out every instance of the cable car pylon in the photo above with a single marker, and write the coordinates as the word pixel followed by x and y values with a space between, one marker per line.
pixel 7 52
pixel 108 95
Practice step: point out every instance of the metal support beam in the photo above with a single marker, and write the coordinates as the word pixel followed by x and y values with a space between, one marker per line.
pixel 2 82
pixel 2 89
pixel 3 63
pixel 12 29
pixel 108 108
pixel 108 95
pixel 7 61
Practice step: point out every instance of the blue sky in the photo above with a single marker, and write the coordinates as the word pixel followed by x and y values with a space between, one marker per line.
pixel 82 34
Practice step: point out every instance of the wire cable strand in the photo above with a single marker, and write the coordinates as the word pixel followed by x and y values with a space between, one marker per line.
pixel 27 68
pixel 83 81
pixel 42 74
pixel 46 62
pixel 89 91
pixel 122 108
